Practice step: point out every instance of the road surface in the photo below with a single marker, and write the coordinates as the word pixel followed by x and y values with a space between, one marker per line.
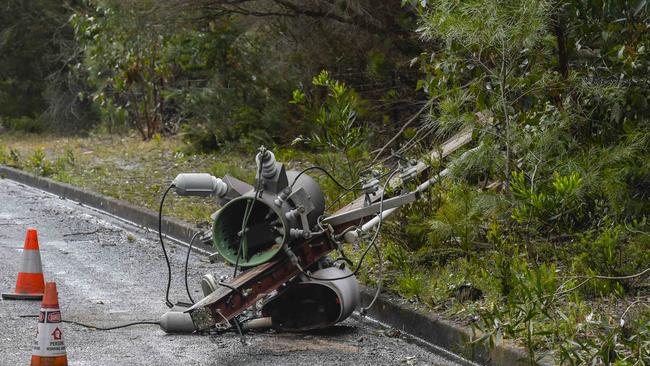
pixel 109 273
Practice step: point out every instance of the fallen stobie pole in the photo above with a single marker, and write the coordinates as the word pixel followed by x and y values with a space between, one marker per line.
pixel 448 147
pixel 352 236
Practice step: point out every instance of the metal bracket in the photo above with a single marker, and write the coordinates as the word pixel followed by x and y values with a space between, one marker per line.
pixel 359 213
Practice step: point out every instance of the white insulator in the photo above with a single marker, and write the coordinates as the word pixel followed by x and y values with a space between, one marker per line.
pixel 351 237
pixel 199 184
pixel 299 234
pixel 220 188
pixel 177 321
pixel 269 164
pixel 292 215
pixel 282 196
pixel 259 323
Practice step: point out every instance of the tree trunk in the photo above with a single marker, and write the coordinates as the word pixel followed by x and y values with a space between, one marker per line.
pixel 562 56
pixel 137 121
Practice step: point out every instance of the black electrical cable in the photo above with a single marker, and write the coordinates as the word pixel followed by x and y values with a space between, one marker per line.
pixel 380 282
pixel 370 245
pixel 344 259
pixel 239 329
pixel 247 213
pixel 232 288
pixel 316 167
pixel 187 259
pixel 144 322
pixel 162 245
pixel 337 199
pixel 112 328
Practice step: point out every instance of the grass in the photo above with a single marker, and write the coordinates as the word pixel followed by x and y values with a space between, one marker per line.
pixel 127 168
pixel 121 167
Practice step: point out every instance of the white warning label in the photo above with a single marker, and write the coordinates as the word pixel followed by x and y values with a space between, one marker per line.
pixel 49 336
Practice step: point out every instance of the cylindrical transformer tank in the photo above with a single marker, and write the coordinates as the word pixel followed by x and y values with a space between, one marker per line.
pixel 271 217
pixel 313 304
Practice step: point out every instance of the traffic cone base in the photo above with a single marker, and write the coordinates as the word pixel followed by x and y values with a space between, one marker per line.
pixel 49 348
pixel 15 296
pixel 30 282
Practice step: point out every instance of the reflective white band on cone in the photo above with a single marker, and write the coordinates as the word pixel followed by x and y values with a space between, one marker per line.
pixel 31 261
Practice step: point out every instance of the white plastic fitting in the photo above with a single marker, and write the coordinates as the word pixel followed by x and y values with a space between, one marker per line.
pixel 199 184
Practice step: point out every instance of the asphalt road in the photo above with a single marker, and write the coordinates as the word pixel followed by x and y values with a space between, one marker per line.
pixel 109 273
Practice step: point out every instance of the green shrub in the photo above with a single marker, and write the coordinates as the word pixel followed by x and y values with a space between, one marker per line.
pixel 620 343
pixel 613 252
pixel 199 138
pixel 38 161
pixel 4 156
pixel 558 205
pixel 411 284
pixel 14 159
pixel 461 218
pixel 26 124
pixel 69 156
pixel 339 129
pixel 42 166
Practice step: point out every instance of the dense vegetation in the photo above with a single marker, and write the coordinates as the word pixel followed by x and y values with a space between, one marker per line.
pixel 540 235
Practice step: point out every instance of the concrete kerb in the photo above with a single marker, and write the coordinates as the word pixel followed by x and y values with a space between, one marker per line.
pixel 390 311
pixel 172 228
pixel 399 314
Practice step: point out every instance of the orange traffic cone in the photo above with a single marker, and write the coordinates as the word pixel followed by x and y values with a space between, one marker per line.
pixel 30 283
pixel 49 349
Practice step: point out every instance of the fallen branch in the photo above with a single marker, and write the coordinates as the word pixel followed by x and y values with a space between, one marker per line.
pixel 399 133
pixel 81 233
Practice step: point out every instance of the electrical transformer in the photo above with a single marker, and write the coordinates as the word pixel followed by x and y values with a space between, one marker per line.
pixel 260 223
